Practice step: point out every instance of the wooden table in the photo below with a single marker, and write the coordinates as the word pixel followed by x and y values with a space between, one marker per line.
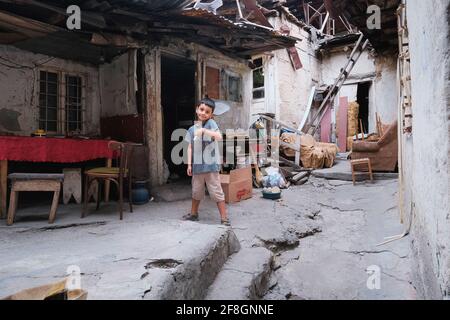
pixel 55 150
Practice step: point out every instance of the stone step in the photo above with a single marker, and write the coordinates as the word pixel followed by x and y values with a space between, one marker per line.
pixel 244 276
pixel 193 278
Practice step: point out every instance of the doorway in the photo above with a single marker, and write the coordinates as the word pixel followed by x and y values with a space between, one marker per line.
pixel 178 104
pixel 363 101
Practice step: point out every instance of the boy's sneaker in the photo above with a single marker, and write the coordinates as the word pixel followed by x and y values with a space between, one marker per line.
pixel 190 217
pixel 226 222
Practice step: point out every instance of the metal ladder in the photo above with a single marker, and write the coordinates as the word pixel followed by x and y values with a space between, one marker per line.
pixel 360 46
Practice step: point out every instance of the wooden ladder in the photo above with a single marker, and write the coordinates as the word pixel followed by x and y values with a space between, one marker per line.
pixel 359 48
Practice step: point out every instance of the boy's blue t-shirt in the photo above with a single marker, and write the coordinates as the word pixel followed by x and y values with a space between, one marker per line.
pixel 205 150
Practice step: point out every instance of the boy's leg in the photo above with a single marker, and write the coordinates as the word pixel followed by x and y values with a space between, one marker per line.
pixel 216 193
pixel 222 210
pixel 194 208
pixel 198 192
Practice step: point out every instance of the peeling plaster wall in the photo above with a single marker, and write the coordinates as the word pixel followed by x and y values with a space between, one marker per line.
pixel 426 152
pixel 239 115
pixel 118 80
pixel 286 89
pixel 19 89
pixel 381 71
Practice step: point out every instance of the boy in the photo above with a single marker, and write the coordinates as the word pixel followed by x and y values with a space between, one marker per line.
pixel 203 160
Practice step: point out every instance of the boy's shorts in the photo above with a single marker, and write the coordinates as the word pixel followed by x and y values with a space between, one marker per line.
pixel 212 181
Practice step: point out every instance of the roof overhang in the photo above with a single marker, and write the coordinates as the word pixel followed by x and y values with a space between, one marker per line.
pixel 109 27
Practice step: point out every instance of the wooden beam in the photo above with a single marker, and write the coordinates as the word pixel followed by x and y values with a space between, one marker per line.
pixel 25 26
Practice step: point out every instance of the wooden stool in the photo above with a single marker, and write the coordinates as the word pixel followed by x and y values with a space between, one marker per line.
pixel 72 185
pixel 34 182
pixel 357 162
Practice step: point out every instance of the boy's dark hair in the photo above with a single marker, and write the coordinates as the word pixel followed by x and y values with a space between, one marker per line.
pixel 209 102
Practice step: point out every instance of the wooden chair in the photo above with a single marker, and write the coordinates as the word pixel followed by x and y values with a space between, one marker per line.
pixel 34 182
pixel 115 174
pixel 361 162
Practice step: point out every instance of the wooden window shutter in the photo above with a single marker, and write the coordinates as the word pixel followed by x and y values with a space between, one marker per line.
pixel 213 83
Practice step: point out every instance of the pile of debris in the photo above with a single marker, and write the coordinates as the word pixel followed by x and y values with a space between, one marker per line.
pixel 295 177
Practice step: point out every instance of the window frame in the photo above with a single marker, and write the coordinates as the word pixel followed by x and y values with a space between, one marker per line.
pixel 227 74
pixel 61 109
pixel 262 88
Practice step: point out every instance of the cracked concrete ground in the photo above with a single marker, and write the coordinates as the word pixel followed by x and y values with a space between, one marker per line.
pixel 322 234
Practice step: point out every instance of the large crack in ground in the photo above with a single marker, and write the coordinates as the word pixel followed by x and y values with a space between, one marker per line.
pixel 65 226
pixel 339 209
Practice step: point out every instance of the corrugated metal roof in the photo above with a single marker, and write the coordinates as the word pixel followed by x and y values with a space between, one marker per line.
pixel 144 6
pixel 156 5
pixel 222 21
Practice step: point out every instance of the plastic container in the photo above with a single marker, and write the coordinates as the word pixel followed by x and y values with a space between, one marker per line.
pixel 139 192
pixel 271 195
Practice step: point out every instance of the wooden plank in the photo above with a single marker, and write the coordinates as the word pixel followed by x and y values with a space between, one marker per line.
pixel 154 129
pixel 36 185
pixel 12 208
pixel 72 185
pixel 107 182
pixel 342 126
pixel 362 129
pixel 290 163
pixel 308 108
pixel 298 149
pixel 3 186
pixel 54 207
pixel 325 127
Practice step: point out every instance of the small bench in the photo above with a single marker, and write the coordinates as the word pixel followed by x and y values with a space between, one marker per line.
pixel 361 162
pixel 34 182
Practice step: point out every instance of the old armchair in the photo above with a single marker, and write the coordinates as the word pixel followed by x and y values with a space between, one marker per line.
pixel 383 153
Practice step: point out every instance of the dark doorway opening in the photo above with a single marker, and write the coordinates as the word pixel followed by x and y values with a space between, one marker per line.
pixel 178 104
pixel 363 101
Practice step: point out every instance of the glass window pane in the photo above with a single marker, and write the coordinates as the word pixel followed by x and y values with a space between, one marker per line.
pixel 52 101
pixel 52 77
pixel 234 89
pixel 72 115
pixel 51 114
pixel 257 63
pixel 73 103
pixel 258 78
pixel 52 88
pixel 42 113
pixel 72 91
pixel 42 86
pixel 51 126
pixel 258 94
pixel 42 100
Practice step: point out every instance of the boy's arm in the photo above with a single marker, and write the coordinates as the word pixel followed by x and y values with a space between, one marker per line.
pixel 213 134
pixel 189 160
pixel 189 154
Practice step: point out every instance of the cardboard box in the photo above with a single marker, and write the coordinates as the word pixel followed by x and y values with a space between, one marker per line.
pixel 237 185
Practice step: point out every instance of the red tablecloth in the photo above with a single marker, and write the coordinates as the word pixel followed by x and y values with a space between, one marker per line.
pixel 41 149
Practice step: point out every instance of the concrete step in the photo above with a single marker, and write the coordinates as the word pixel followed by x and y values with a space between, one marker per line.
pixel 244 276
pixel 341 170
pixel 192 279
pixel 137 258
